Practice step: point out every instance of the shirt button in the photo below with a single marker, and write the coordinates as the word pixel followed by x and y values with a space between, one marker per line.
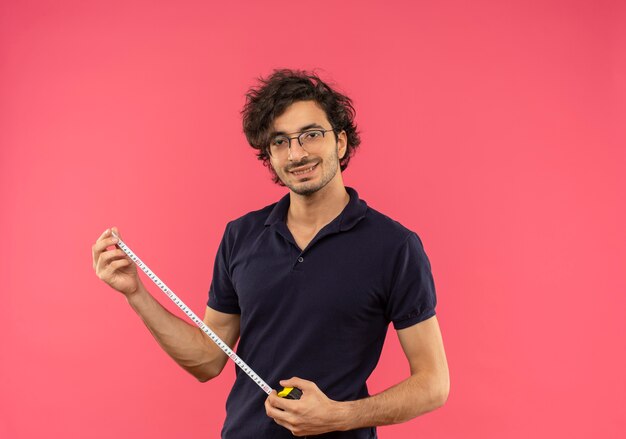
pixel 300 259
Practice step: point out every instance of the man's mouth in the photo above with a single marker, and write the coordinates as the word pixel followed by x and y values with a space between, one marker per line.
pixel 302 171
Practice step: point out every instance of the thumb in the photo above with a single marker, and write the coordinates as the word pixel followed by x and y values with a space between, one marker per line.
pixel 299 383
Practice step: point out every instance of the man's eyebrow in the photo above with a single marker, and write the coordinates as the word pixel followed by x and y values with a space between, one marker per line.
pixel 304 128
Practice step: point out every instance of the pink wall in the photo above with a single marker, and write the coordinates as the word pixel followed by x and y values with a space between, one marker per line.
pixel 495 130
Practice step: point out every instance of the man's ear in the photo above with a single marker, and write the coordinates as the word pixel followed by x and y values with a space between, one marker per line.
pixel 342 144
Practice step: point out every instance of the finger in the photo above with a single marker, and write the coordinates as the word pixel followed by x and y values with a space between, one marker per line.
pixel 111 255
pixel 270 409
pixel 102 244
pixel 108 257
pixel 106 233
pixel 113 266
pixel 116 231
pixel 106 236
pixel 299 383
pixel 280 416
pixel 277 402
pixel 105 240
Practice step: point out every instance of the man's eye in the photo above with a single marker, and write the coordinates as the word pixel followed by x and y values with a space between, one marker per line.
pixel 312 135
pixel 278 142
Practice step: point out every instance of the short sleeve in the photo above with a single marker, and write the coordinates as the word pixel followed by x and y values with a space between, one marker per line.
pixel 222 295
pixel 412 297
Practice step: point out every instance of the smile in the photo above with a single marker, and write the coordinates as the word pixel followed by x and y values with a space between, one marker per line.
pixel 304 171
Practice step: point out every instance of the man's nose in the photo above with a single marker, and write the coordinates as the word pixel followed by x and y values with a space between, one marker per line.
pixel 296 152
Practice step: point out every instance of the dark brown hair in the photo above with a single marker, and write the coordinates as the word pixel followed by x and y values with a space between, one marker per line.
pixel 273 95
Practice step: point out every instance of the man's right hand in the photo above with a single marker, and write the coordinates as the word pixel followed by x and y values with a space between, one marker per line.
pixel 185 343
pixel 113 266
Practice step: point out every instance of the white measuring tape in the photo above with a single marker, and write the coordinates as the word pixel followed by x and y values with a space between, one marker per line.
pixel 194 318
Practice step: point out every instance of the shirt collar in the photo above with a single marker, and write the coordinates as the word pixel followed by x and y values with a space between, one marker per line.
pixel 353 212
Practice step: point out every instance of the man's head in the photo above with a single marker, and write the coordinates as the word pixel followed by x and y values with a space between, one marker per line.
pixel 274 98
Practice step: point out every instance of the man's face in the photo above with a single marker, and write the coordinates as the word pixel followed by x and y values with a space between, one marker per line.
pixel 305 171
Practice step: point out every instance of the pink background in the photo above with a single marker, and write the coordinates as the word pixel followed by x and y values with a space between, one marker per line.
pixel 493 129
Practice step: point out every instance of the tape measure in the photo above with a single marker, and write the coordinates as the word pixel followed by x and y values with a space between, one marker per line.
pixel 287 392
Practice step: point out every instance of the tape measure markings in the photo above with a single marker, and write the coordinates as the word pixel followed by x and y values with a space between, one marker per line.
pixel 194 318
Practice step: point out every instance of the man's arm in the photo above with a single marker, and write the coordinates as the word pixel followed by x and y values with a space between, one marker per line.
pixel 186 344
pixel 425 390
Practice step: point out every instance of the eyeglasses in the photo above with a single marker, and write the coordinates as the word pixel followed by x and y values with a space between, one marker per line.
pixel 308 140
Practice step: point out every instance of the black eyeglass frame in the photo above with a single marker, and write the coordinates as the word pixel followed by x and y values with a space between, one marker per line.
pixel 302 133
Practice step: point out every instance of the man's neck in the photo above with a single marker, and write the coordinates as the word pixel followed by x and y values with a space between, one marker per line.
pixel 318 209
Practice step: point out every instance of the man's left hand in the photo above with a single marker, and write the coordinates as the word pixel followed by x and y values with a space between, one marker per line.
pixel 314 413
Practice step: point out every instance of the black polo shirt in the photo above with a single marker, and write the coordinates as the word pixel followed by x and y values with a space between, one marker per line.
pixel 320 313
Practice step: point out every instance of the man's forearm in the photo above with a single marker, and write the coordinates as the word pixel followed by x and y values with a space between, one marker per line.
pixel 418 394
pixel 185 343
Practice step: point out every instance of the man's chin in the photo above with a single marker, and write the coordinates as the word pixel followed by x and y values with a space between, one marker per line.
pixel 303 188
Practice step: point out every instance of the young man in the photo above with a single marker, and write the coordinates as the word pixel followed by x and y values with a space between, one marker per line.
pixel 308 285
